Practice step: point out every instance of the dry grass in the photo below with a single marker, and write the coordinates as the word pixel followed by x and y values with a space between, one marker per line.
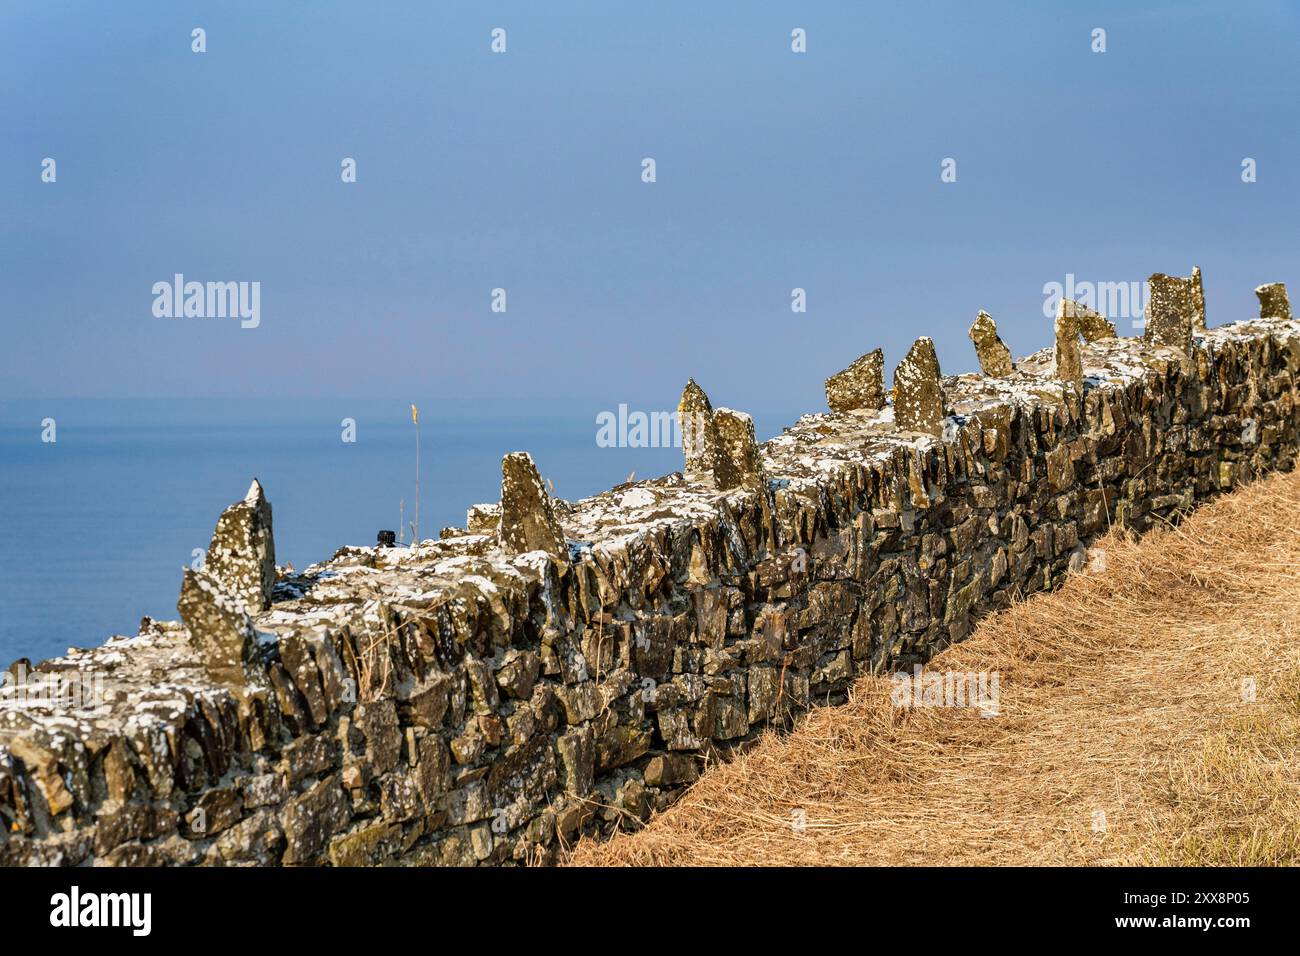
pixel 1121 694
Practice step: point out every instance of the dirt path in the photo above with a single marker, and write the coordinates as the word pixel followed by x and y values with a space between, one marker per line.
pixel 1148 713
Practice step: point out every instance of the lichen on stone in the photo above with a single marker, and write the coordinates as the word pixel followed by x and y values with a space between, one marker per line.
pixel 992 353
pixel 860 386
pixel 918 392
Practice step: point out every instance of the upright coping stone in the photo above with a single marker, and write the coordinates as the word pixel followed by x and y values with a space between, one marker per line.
pixel 860 386
pixel 241 556
pixel 528 521
pixel 707 460
pixel 993 355
pixel 740 447
pixel 216 603
pixel 1273 302
pixel 1171 312
pixel 1198 300
pixel 918 393
pixel 1069 357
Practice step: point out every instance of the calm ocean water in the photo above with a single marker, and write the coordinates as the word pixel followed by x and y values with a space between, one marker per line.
pixel 97 525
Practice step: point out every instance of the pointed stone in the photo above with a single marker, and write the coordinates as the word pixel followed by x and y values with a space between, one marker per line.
pixel 1093 325
pixel 528 521
pixel 706 461
pixel 241 556
pixel 860 386
pixel 1273 302
pixel 1171 312
pixel 1069 358
pixel 1198 300
pixel 918 393
pixel 993 355
pixel 219 627
pixel 736 435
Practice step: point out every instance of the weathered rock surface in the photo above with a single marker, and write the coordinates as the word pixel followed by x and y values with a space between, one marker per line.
pixel 736 439
pixel 1068 357
pixel 1092 324
pixel 993 355
pixel 1273 302
pixel 1198 301
pixel 528 521
pixel 218 623
pixel 707 460
pixel 483 519
pixel 1171 311
pixel 918 392
pixel 860 386
pixel 465 702
pixel 241 557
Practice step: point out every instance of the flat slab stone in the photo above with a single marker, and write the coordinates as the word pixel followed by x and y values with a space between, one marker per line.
pixel 860 386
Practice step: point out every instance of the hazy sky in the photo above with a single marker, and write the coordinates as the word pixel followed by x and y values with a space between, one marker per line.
pixel 522 170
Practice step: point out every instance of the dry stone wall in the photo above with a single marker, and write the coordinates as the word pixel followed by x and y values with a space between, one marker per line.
pixel 468 701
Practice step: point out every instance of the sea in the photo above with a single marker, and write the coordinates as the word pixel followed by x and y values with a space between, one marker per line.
pixel 103 502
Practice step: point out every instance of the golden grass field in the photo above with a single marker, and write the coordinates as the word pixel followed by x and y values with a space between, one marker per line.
pixel 1123 694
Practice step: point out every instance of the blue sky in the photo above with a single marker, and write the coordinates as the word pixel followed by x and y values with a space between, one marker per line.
pixel 522 170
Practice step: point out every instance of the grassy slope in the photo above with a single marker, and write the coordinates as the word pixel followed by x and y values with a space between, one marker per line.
pixel 1120 695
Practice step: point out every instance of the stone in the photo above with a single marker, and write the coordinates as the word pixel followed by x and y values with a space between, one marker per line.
pixel 1092 324
pixel 706 460
pixel 299 661
pixel 257 840
pixel 740 447
pixel 263 790
pixel 119 777
pixel 1273 302
pixel 428 702
pixel 1068 357
pixel 1198 300
pixel 241 556
pixel 214 811
pixel 308 756
pixel 669 770
pixel 219 628
pixel 483 519
pixel 133 821
pixel 41 760
pixel 432 769
pixel 993 355
pixel 918 393
pixel 377 722
pixel 367 844
pixel 528 521
pixel 399 797
pixel 1171 311
pixel 581 701
pixel 860 386
pixel 518 673
pixel 577 759
pixel 468 747
pixel 311 818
